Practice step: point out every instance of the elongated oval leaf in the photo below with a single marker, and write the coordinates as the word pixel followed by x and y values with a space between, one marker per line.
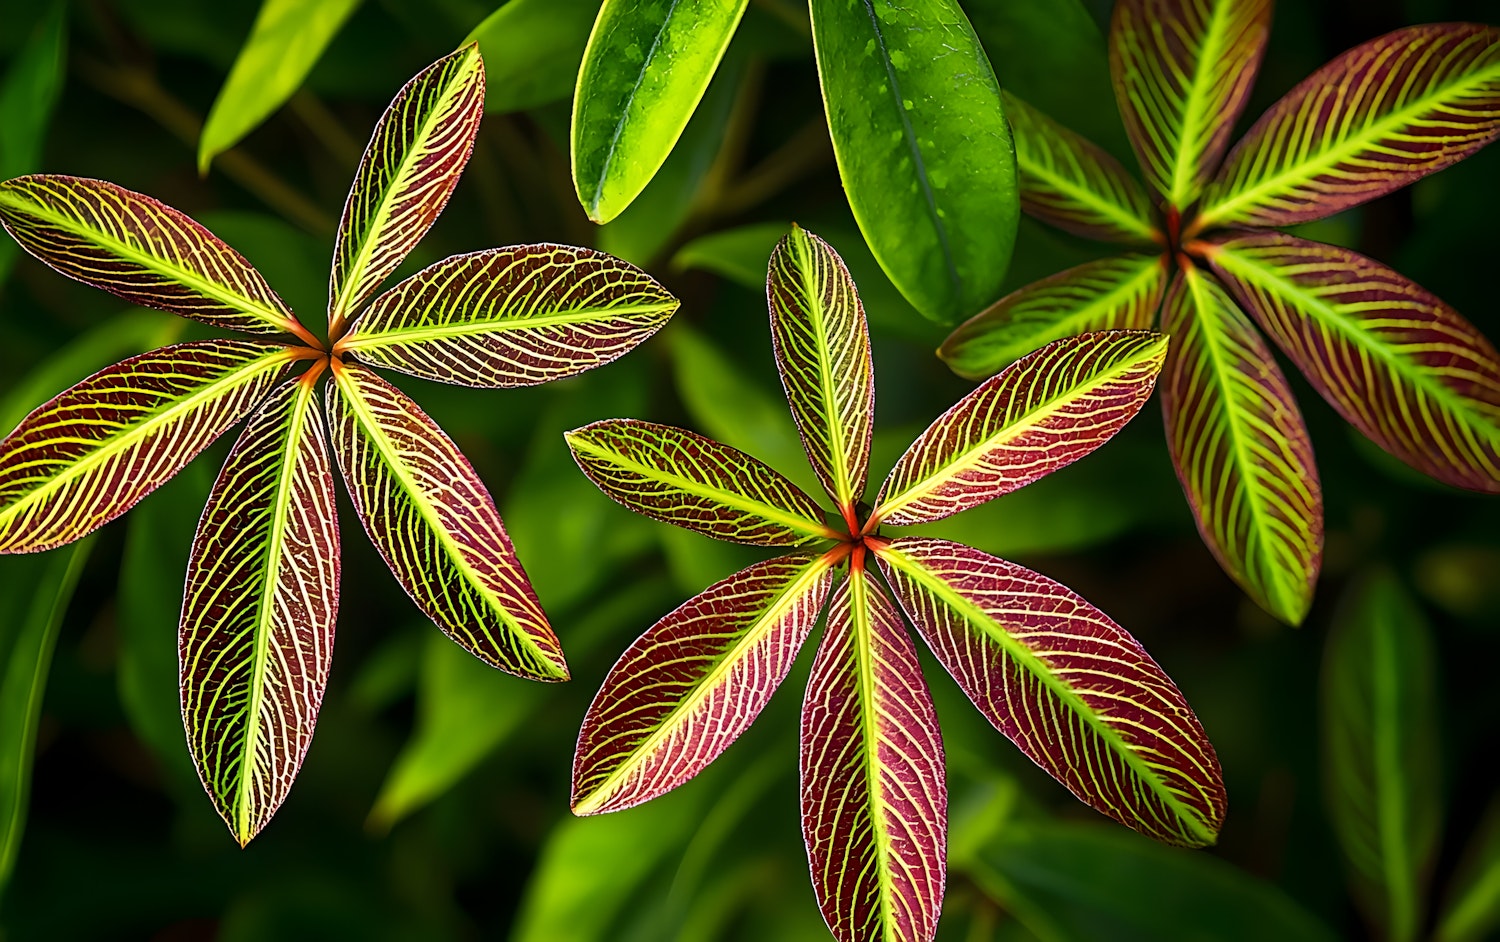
pixel 874 800
pixel 646 67
pixel 1123 292
pixel 1378 117
pixel 409 170
pixel 922 145
pixel 1042 413
pixel 432 519
pixel 85 457
pixel 1073 184
pixel 1241 448
pixel 1067 685
pixel 694 682
pixel 694 482
pixel 1397 363
pixel 139 249
pixel 1380 752
pixel 1182 73
pixel 822 349
pixel 256 635
pixel 283 46
pixel 511 317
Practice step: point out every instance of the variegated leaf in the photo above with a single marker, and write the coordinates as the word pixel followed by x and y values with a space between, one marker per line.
pixel 1241 448
pixel 1399 364
pixel 256 636
pixel 139 249
pixel 1042 413
pixel 516 316
pixel 874 802
pixel 694 682
pixel 1070 687
pixel 432 519
pixel 1123 292
pixel 822 349
pixel 1182 73
pixel 1378 117
pixel 409 170
pixel 1073 184
pixel 694 482
pixel 85 457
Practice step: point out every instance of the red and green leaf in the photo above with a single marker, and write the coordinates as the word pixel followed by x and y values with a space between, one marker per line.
pixel 1122 292
pixel 677 477
pixel 1042 413
pixel 874 801
pixel 1073 184
pixel 256 636
pixel 87 456
pixel 516 316
pixel 409 170
pixel 694 682
pixel 822 349
pixel 1182 73
pixel 429 514
pixel 1066 684
pixel 1400 365
pixel 139 249
pixel 1378 117
pixel 1241 448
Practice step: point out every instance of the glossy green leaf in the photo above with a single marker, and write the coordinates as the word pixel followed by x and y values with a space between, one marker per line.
pixel 1122 292
pixel 647 64
pixel 735 254
pixel 1380 749
pixel 28 93
pixel 923 147
pixel 1472 912
pixel 283 46
pixel 1241 448
pixel 532 49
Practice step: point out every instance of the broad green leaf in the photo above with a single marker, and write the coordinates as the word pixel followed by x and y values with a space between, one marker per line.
pixel 511 317
pixel 409 170
pixel 735 254
pixel 1380 750
pixel 823 354
pixel 1078 695
pixel 646 66
pixel 283 46
pixel 1182 73
pixel 28 92
pixel 34 594
pixel 139 249
pixel 1122 292
pixel 694 682
pixel 677 477
pixel 1473 909
pixel 874 799
pixel 1241 448
pixel 258 613
pixel 433 520
pixel 82 459
pixel 1380 116
pixel 1071 183
pixel 533 48
pixel 923 147
pixel 1042 413
pixel 1400 365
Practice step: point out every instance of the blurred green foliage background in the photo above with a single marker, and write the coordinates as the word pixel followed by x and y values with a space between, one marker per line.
pixel 433 804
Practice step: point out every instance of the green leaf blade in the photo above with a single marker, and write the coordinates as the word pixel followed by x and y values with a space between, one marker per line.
pixel 87 456
pixel 1241 449
pixel 923 147
pixel 533 49
pixel 29 90
pixel 256 634
pixel 644 71
pixel 1070 687
pixel 434 522
pixel 516 316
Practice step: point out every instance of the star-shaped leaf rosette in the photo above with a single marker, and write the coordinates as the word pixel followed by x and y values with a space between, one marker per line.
pixel 257 626
pixel 1075 692
pixel 1401 366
